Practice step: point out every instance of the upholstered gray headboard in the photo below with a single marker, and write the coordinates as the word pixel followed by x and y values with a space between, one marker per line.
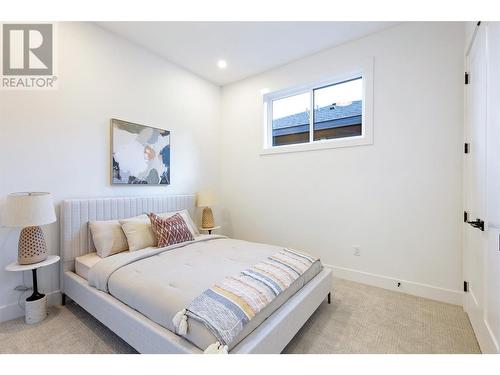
pixel 76 239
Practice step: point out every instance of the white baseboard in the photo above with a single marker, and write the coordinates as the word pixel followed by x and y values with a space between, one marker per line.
pixel 484 334
pixel 13 311
pixel 492 346
pixel 454 297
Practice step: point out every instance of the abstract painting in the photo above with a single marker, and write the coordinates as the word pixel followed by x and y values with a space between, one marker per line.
pixel 140 154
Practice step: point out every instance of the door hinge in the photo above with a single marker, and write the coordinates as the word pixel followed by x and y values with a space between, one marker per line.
pixel 466 148
pixel 466 78
pixel 466 216
pixel 466 286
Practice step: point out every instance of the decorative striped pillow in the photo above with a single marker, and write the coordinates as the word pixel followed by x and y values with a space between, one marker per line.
pixel 171 230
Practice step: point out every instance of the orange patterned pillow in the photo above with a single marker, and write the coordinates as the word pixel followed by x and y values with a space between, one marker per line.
pixel 171 230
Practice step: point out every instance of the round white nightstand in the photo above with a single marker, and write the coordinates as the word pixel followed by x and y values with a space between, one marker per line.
pixel 36 304
pixel 209 230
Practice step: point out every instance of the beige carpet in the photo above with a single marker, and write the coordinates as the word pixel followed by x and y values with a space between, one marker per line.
pixel 361 319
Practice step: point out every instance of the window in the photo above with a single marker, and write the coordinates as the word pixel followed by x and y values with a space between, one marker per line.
pixel 338 110
pixel 291 119
pixel 333 113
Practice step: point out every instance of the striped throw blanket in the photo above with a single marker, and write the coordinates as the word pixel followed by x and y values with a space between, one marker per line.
pixel 229 305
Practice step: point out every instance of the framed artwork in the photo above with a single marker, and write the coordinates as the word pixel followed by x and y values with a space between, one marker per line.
pixel 139 154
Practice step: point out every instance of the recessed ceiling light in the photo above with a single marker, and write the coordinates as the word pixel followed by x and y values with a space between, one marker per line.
pixel 222 64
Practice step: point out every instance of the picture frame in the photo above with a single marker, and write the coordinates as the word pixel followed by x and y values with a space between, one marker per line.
pixel 140 154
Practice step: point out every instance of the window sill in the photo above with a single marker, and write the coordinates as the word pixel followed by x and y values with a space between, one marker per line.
pixel 318 145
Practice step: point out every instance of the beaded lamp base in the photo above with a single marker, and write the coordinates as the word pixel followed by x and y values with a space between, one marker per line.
pixel 32 247
pixel 207 218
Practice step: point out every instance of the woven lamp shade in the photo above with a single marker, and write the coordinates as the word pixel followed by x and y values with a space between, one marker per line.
pixel 29 211
pixel 206 199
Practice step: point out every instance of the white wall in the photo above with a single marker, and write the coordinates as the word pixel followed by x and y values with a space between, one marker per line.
pixel 399 199
pixel 58 141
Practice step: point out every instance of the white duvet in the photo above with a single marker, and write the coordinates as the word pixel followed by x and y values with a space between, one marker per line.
pixel 158 282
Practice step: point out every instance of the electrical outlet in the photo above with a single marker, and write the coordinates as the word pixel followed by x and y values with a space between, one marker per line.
pixel 357 251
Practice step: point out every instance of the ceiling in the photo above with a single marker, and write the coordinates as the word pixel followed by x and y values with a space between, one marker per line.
pixel 248 47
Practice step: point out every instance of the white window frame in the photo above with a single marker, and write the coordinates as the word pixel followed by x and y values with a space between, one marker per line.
pixel 365 71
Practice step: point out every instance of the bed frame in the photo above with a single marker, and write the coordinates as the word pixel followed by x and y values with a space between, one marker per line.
pixel 139 331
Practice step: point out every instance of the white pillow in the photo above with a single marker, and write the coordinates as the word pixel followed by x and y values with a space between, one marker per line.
pixel 108 237
pixel 140 234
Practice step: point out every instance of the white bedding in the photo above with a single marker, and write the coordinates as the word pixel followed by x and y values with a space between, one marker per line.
pixel 160 282
pixel 84 263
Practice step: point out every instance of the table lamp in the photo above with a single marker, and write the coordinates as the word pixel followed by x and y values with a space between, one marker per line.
pixel 206 199
pixel 29 211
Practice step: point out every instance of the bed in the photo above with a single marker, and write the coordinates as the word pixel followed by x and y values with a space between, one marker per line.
pixel 136 294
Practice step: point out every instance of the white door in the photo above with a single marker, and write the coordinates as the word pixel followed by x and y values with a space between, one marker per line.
pixel 492 260
pixel 475 182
